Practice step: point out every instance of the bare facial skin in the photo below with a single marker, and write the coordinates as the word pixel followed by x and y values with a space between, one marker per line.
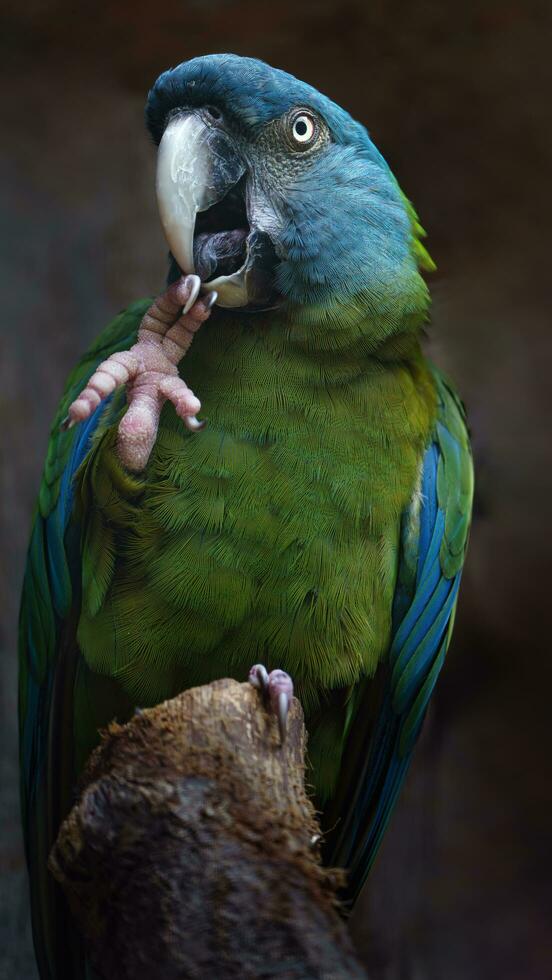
pixel 150 372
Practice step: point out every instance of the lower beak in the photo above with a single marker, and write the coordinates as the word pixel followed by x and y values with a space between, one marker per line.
pixel 198 164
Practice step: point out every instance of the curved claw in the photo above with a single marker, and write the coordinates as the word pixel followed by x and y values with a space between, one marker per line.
pixel 211 299
pixel 195 283
pixel 277 689
pixel 282 713
pixel 280 693
pixel 194 424
pixel 258 677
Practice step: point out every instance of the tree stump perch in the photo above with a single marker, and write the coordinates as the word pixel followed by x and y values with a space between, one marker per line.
pixel 192 850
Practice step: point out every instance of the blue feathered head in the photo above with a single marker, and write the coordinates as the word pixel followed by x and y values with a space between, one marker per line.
pixel 273 193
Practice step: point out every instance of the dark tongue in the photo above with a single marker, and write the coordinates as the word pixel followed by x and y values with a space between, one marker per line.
pixel 219 253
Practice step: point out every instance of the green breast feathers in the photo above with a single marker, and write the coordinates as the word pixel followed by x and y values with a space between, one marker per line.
pixel 271 535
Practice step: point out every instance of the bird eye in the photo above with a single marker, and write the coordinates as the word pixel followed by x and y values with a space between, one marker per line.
pixel 303 129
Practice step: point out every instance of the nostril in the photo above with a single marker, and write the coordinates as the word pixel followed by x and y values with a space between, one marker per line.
pixel 212 111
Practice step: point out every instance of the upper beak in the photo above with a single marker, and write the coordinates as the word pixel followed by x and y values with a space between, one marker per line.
pixel 198 164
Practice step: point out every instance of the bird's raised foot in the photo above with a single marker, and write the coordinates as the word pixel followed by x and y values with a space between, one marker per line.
pixel 149 369
pixel 277 690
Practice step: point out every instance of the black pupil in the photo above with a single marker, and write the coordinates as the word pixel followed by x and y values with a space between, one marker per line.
pixel 301 127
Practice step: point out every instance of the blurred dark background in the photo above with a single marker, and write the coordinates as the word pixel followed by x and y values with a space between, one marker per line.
pixel 458 98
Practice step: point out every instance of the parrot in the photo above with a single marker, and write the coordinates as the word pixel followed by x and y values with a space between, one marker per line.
pixel 258 467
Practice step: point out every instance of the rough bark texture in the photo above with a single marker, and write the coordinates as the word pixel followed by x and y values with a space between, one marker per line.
pixel 192 849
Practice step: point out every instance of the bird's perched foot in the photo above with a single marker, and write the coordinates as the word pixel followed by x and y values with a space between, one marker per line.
pixel 149 371
pixel 277 690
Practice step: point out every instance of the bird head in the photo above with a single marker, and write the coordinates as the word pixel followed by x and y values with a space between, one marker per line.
pixel 274 195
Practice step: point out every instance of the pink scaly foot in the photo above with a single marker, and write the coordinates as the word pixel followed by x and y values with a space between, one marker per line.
pixel 149 370
pixel 277 690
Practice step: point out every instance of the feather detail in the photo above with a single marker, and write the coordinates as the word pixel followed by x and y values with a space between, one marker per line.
pixel 48 654
pixel 382 735
pixel 261 538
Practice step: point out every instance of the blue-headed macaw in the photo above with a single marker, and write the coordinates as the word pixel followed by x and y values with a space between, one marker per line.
pixel 318 522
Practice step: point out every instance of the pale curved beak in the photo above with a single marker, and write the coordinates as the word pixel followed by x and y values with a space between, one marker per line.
pixel 197 165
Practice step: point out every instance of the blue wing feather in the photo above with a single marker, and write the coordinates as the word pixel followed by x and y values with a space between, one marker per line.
pixel 422 615
pixel 48 650
pixel 48 580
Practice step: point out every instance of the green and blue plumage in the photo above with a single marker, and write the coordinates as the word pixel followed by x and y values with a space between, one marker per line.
pixel 318 524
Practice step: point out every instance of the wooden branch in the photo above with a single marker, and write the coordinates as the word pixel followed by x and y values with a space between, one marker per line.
pixel 192 849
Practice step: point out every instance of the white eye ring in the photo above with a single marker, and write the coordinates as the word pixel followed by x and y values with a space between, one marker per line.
pixel 303 129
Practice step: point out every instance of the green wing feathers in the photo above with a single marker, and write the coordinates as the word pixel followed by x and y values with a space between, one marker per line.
pixel 388 713
pixel 48 657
